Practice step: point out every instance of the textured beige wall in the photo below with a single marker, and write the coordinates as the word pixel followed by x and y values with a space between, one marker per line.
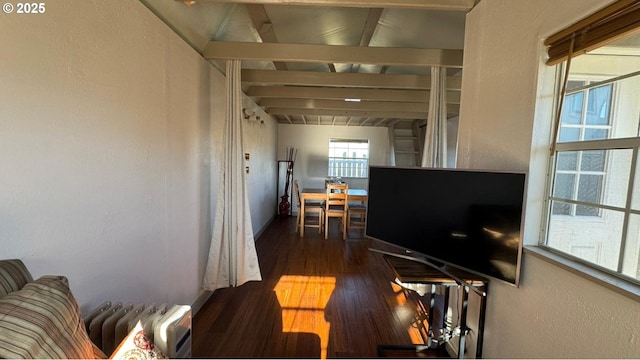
pixel 110 131
pixel 312 143
pixel 504 122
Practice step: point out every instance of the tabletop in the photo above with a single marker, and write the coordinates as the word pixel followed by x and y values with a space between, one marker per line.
pixel 350 192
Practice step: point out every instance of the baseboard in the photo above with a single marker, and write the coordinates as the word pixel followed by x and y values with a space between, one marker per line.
pixel 264 227
pixel 200 301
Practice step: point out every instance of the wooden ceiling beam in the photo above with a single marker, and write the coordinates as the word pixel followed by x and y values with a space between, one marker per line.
pixel 451 5
pixel 262 24
pixel 383 106
pixel 344 105
pixel 394 56
pixel 370 25
pixel 347 113
pixel 312 92
pixel 380 122
pixel 454 110
pixel 418 82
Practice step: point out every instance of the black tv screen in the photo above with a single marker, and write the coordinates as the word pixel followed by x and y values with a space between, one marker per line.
pixel 467 218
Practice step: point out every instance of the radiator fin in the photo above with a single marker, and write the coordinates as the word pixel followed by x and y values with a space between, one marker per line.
pixel 169 327
pixel 122 324
pixel 95 327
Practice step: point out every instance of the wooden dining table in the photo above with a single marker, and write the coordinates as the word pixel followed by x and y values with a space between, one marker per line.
pixel 319 194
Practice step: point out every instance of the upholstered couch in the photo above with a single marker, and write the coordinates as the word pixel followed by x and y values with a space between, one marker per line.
pixel 40 318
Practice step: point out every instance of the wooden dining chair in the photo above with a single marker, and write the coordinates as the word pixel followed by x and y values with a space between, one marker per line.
pixel 310 207
pixel 336 205
pixel 356 216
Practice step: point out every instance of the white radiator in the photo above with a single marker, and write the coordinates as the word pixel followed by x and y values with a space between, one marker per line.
pixel 167 327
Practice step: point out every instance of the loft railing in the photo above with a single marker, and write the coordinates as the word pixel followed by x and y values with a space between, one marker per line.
pixel 341 167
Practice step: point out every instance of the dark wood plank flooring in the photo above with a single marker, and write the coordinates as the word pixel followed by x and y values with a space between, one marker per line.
pixel 318 298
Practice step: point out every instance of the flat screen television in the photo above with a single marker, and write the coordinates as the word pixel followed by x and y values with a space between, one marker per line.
pixel 470 219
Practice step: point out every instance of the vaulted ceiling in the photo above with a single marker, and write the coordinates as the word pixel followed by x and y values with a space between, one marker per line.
pixel 330 62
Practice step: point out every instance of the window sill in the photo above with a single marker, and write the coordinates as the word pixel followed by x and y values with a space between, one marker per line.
pixel 619 285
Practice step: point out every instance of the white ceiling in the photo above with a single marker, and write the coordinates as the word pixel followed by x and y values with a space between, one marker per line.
pixel 302 58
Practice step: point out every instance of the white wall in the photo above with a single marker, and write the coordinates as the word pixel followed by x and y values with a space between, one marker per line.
pixel 504 122
pixel 312 144
pixel 109 133
pixel 260 142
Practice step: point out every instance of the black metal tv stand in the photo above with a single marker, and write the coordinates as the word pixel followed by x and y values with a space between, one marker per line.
pixel 414 270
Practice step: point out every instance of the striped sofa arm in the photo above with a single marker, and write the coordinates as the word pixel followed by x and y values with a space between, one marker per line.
pixel 13 276
pixel 42 320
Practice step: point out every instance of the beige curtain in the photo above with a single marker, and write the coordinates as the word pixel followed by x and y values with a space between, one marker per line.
pixel 434 153
pixel 233 259
pixel 392 146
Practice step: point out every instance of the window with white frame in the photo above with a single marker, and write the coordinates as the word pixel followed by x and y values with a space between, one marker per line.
pixel 594 192
pixel 580 174
pixel 348 158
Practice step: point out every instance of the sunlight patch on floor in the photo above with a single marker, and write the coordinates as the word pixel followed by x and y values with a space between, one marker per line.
pixel 401 299
pixel 405 315
pixel 303 300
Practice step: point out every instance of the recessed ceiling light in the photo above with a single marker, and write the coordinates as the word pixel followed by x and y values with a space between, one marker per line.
pixel 352 100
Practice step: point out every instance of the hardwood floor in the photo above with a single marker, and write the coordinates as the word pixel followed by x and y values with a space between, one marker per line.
pixel 318 299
